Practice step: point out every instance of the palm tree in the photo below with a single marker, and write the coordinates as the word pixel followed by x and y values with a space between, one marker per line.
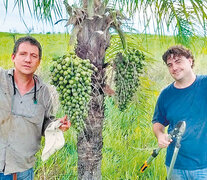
pixel 91 23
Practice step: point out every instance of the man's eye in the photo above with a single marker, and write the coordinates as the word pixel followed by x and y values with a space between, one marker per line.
pixel 34 56
pixel 178 61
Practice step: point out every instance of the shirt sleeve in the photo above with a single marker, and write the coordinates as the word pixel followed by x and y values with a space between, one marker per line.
pixel 159 113
pixel 49 114
pixel 1 76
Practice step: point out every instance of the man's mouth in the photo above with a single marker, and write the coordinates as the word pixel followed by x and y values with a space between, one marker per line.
pixel 26 66
pixel 176 73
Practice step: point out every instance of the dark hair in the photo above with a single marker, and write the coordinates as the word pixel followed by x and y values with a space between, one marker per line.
pixel 29 39
pixel 178 50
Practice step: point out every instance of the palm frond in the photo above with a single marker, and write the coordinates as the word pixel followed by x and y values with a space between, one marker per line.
pixel 121 35
pixel 159 13
pixel 115 47
pixel 6 5
pixel 133 41
pixel 68 7
pixel 184 32
pixel 41 9
pixel 60 21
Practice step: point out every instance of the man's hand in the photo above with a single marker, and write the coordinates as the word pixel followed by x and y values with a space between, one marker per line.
pixel 163 140
pixel 65 124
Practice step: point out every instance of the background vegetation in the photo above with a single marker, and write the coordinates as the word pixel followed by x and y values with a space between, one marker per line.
pixel 128 137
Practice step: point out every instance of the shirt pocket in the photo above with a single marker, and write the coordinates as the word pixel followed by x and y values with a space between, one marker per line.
pixel 38 114
pixel 34 113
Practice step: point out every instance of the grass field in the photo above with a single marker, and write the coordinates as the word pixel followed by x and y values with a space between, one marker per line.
pixel 128 138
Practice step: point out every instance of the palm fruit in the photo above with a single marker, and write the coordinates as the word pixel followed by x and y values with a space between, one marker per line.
pixel 72 78
pixel 128 67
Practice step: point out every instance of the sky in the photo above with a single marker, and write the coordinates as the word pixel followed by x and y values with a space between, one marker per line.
pixel 11 22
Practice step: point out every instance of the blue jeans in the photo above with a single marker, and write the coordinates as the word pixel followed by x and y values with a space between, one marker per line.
pixel 179 174
pixel 25 175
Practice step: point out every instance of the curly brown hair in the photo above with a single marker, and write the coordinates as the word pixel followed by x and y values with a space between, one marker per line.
pixel 178 50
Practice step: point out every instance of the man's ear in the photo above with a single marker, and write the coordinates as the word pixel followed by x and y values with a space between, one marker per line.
pixel 12 57
pixel 191 61
pixel 39 63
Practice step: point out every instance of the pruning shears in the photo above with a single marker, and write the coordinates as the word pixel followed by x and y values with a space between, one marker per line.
pixel 177 133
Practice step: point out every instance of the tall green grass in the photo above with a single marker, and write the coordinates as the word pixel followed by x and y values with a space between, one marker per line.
pixel 128 138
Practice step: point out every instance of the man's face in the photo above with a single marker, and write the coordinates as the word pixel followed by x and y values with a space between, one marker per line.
pixel 179 66
pixel 26 59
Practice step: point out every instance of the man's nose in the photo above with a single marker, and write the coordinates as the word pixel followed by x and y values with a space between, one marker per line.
pixel 174 67
pixel 28 58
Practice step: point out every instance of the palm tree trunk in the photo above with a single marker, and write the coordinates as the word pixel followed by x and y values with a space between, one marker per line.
pixel 90 141
pixel 93 40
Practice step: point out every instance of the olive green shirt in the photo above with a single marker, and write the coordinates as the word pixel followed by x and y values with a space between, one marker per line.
pixel 22 123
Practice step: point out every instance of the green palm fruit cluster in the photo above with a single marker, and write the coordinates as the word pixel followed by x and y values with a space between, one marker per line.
pixel 128 67
pixel 72 78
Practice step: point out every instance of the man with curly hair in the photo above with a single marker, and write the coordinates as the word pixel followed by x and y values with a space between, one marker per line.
pixel 183 100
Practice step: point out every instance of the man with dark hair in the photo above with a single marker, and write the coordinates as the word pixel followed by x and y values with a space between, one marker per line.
pixel 183 100
pixel 29 39
pixel 25 111
pixel 178 51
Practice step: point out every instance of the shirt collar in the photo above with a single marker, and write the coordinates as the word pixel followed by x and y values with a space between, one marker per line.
pixel 38 80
